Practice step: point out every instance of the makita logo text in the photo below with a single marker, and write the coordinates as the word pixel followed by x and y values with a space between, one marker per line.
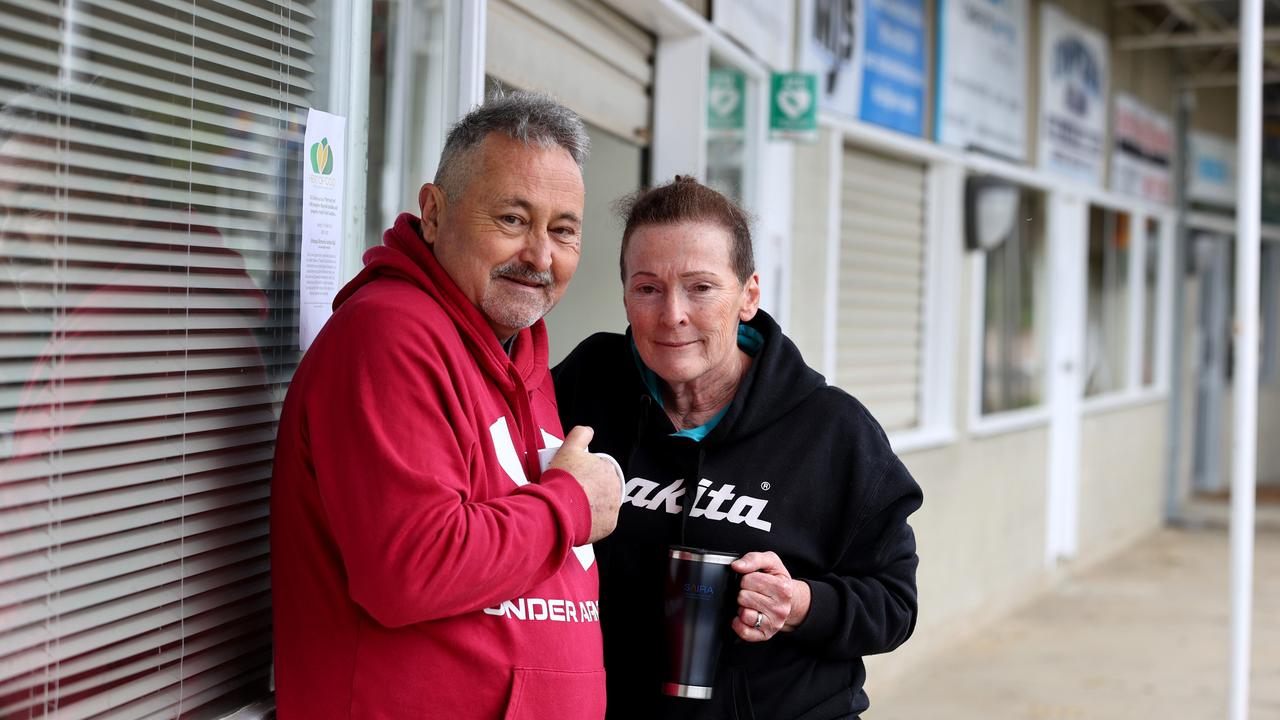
pixel 555 610
pixel 720 502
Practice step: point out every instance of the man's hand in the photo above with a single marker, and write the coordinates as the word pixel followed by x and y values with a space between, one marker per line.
pixel 598 479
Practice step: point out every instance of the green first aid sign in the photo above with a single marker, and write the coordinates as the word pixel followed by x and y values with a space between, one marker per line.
pixel 793 106
pixel 726 103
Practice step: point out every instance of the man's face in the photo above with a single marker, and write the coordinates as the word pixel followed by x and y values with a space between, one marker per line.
pixel 511 241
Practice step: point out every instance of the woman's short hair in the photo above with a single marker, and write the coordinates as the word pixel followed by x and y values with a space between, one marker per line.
pixel 683 200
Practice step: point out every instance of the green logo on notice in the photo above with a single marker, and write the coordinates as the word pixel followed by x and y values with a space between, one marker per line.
pixel 322 157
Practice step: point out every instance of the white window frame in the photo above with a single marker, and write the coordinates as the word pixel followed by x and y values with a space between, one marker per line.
pixel 1134 392
pixel 982 424
pixel 1131 367
pixel 944 180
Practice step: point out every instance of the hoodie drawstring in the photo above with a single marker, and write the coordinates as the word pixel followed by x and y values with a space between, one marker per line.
pixel 529 430
pixel 692 487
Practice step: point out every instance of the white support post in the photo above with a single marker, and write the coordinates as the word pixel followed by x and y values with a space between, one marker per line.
pixel 1245 423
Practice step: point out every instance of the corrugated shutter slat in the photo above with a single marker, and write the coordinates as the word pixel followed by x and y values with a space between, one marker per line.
pixel 879 312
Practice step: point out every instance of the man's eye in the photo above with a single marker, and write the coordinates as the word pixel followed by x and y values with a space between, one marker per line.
pixel 511 219
pixel 702 288
pixel 646 290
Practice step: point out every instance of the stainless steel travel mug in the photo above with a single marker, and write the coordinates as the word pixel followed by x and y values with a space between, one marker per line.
pixel 700 591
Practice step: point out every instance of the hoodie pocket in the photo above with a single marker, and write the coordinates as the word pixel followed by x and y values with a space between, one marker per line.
pixel 545 694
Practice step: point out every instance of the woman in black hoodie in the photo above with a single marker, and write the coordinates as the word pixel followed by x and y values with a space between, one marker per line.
pixel 790 473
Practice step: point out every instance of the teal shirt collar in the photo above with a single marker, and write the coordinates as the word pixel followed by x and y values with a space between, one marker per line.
pixel 750 341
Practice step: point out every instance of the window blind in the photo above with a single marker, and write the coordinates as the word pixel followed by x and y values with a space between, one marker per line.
pixel 880 305
pixel 149 195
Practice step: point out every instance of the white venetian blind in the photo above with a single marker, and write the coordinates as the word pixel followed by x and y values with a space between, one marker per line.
pixel 880 307
pixel 149 190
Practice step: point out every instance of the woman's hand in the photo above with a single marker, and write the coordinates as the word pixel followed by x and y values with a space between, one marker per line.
pixel 769 600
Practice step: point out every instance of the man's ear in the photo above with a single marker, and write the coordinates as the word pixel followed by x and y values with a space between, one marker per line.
pixel 432 202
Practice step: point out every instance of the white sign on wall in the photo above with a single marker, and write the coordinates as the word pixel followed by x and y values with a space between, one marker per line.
pixel 982 76
pixel 1073 96
pixel 1212 169
pixel 324 157
pixel 830 47
pixel 765 27
pixel 1143 153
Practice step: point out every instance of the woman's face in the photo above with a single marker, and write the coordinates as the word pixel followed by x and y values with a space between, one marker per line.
pixel 683 299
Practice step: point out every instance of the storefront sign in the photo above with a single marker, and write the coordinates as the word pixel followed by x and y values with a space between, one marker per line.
pixel 764 26
pixel 869 59
pixel 982 76
pixel 1212 169
pixel 831 49
pixel 726 103
pixel 1142 158
pixel 1073 96
pixel 793 107
pixel 893 65
pixel 323 161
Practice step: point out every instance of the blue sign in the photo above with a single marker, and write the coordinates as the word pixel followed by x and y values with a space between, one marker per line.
pixel 893 65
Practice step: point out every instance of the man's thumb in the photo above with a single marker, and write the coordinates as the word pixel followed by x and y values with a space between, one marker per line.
pixel 578 438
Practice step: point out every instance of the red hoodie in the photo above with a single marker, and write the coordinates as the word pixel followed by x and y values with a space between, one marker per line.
pixel 422 566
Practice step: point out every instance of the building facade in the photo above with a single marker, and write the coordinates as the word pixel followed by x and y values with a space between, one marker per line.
pixel 1013 248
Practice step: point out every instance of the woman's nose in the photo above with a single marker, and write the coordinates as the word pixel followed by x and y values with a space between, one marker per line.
pixel 674 310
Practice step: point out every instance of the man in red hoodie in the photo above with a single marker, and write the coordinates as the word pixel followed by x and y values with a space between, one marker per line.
pixel 424 565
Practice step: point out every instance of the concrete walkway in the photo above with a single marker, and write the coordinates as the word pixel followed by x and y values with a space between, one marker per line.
pixel 1144 635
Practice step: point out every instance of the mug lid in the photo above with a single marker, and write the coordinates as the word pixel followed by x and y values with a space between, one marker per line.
pixel 680 552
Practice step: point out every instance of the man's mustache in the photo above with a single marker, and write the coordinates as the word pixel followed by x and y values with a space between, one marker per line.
pixel 521 271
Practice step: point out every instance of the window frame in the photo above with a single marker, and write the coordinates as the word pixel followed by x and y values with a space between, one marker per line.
pixel 983 423
pixel 944 188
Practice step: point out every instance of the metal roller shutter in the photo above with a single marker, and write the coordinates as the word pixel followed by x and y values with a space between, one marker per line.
pixel 583 53
pixel 880 305
pixel 148 254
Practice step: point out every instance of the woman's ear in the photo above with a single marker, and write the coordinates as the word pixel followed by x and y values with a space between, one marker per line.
pixel 750 298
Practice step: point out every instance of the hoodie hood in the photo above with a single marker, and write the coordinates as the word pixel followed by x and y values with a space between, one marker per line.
pixel 777 382
pixel 404 255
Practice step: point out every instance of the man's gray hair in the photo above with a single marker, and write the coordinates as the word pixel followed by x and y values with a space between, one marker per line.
pixel 528 117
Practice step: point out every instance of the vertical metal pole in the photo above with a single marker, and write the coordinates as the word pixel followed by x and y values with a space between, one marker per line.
pixel 1244 434
pixel 1176 344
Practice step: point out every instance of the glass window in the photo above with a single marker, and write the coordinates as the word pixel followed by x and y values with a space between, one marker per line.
pixel 1015 312
pixel 1107 313
pixel 407 116
pixel 151 165
pixel 1270 316
pixel 1151 301
pixel 729 100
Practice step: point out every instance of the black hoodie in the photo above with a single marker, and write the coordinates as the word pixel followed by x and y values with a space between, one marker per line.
pixel 794 466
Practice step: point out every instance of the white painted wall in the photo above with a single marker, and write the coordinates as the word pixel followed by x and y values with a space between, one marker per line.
pixel 1122 476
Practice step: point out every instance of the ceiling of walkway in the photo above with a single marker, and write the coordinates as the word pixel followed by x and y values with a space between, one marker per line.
pixel 1205 37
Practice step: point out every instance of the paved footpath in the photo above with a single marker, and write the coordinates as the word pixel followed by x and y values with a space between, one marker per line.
pixel 1144 635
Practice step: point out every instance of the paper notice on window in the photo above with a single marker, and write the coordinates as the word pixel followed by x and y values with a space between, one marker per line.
pixel 320 271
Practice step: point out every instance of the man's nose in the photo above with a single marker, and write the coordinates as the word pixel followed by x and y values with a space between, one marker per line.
pixel 537 250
